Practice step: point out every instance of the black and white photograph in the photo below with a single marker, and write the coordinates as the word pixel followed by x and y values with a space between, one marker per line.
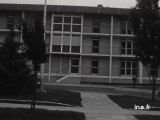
pixel 79 60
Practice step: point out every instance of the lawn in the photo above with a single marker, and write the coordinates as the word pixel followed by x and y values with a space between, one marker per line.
pixel 59 96
pixel 128 102
pixel 147 117
pixel 39 114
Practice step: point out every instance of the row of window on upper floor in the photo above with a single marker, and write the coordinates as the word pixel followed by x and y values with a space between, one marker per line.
pixel 72 45
pixel 74 24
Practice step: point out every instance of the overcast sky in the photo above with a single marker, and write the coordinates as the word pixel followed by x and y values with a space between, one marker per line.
pixel 105 3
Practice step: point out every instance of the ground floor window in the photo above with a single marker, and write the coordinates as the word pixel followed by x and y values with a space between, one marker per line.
pixel 95 63
pixel 128 67
pixel 75 65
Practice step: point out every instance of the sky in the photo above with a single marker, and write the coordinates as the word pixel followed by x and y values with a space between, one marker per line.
pixel 105 3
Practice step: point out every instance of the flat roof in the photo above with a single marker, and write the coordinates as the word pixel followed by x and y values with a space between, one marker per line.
pixel 65 8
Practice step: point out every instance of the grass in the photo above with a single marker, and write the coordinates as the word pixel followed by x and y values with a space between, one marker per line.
pixel 147 117
pixel 59 96
pixel 39 114
pixel 128 102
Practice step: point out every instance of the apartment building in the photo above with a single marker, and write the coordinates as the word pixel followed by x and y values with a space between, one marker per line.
pixel 85 44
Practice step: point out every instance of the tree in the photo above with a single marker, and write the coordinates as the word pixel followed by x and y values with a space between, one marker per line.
pixel 14 73
pixel 33 37
pixel 146 25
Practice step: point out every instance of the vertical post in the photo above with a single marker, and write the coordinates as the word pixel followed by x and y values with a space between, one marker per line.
pixel 111 45
pixel 140 73
pixel 44 23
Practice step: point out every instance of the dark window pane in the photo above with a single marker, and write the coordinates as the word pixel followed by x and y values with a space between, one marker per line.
pixel 95 42
pixel 67 19
pixel 65 48
pixel 94 63
pixel 95 50
pixel 122 71
pixel 129 45
pixel 96 29
pixel 76 20
pixel 96 22
pixel 128 71
pixel 74 69
pixel 76 28
pixel 123 44
pixel 95 70
pixel 128 51
pixel 67 28
pixel 123 31
pixel 75 49
pixel 128 64
pixel 134 72
pixel 57 19
pixel 134 65
pixel 122 51
pixel 123 65
pixel 10 26
pixel 57 27
pixel 123 24
pixel 75 62
pixel 129 31
pixel 56 48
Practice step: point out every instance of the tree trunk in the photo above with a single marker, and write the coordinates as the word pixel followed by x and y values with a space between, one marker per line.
pixel 153 89
pixel 33 103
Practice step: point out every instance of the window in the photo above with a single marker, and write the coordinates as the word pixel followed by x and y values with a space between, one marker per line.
pixel 75 65
pixel 127 47
pixel 94 66
pixel 67 22
pixel 76 20
pixel 96 25
pixel 128 67
pixel 10 22
pixel 58 19
pixel 95 45
pixel 56 48
pixel 76 28
pixel 57 27
pixel 66 48
pixel 126 27
pixel 75 49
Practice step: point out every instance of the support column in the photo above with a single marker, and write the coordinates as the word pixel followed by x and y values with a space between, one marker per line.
pixel 140 72
pixel 111 45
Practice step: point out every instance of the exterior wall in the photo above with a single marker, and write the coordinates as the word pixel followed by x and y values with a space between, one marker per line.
pixel 104 45
pixel 87 45
pixel 103 66
pixel 116 49
pixel 105 25
pixel 55 64
pixel 116 67
pixel 3 21
pixel 116 25
pixel 87 24
pixel 86 66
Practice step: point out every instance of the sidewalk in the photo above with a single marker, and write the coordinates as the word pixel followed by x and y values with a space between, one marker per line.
pixel 96 106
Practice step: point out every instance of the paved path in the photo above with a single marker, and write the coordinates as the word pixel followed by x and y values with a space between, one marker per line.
pixel 96 106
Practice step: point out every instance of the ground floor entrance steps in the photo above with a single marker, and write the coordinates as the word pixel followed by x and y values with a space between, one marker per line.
pixel 69 79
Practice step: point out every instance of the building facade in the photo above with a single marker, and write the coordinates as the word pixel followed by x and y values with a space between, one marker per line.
pixel 85 44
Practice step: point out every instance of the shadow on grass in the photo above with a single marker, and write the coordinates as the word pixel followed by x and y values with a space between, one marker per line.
pixel 147 117
pixel 59 96
pixel 38 114
pixel 128 102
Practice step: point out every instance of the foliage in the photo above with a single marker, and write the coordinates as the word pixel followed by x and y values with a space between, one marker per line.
pixel 33 36
pixel 14 73
pixel 146 25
